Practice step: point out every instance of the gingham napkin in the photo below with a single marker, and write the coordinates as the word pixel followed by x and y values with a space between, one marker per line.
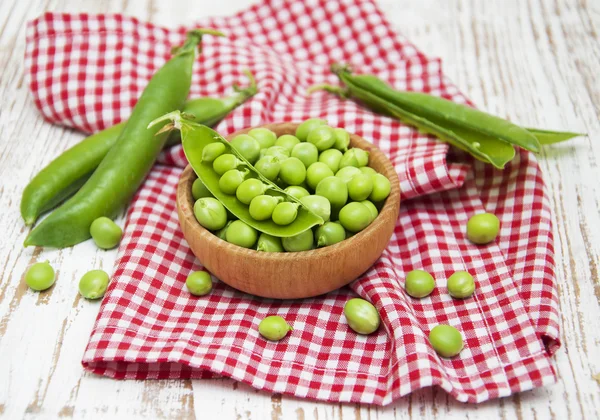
pixel 87 71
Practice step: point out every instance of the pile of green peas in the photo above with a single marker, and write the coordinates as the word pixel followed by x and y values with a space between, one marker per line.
pixel 315 166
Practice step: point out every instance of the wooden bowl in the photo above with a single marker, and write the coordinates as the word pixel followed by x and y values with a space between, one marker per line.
pixel 292 275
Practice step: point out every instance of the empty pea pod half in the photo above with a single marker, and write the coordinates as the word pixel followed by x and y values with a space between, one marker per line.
pixel 195 137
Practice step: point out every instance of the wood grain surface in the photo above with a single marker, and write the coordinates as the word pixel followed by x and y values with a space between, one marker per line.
pixel 534 61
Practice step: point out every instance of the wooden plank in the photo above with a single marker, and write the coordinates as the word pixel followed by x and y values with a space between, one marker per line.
pixel 533 61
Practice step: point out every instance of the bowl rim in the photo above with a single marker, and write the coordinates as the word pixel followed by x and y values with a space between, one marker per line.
pixel 189 176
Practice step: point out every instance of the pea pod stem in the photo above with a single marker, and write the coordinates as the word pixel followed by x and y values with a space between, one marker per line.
pixel 128 161
pixel 65 175
pixel 194 40
pixel 336 90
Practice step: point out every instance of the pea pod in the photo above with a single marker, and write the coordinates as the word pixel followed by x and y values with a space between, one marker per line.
pixel 486 137
pixel 126 164
pixel 484 148
pixel 65 175
pixel 195 138
pixel 442 111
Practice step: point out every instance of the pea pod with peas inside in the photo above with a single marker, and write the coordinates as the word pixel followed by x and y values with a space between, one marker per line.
pixel 195 138
pixel 66 174
pixel 126 164
pixel 486 137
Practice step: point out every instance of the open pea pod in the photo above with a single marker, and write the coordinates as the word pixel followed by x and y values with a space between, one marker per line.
pixel 194 138
pixel 483 147
pixel 444 111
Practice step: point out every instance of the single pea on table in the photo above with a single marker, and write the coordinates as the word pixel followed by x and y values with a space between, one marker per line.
pixel 93 284
pixel 40 276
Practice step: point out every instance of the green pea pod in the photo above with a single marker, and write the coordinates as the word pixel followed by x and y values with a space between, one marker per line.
pixel 551 137
pixel 126 164
pixel 486 137
pixel 66 173
pixel 63 177
pixel 195 138
pixel 484 148
pixel 444 111
pixel 62 195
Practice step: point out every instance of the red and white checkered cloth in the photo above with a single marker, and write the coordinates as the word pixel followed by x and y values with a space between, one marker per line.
pixel 87 71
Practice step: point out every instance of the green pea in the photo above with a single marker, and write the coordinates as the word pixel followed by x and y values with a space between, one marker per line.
pixel 362 156
pixel 381 188
pixel 231 180
pixel 347 173
pixel 105 233
pixel 285 213
pixel 293 171
pixel 265 137
pixel 349 159
pixel 333 189
pixel 274 328
pixel 212 151
pixel 199 283
pixel 287 141
pixel 461 285
pixel 355 157
pixel 306 152
pixel 446 340
pixel 210 213
pixel 221 233
pixel 318 205
pixel 316 173
pixel 331 158
pixel 329 233
pixel 279 152
pixel 247 146
pixel 249 189
pixel 262 206
pixel 372 209
pixel 362 316
pixel 93 284
pixel 240 234
pixel 483 228
pixel 355 216
pixel 40 276
pixel 269 243
pixel 300 242
pixel 360 187
pixel 323 137
pixel 226 163
pixel 367 170
pixel 269 167
pixel 342 139
pixel 199 190
pixel 419 283
pixel 297 191
pixel 307 126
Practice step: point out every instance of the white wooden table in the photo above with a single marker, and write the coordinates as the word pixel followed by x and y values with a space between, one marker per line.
pixel 535 61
